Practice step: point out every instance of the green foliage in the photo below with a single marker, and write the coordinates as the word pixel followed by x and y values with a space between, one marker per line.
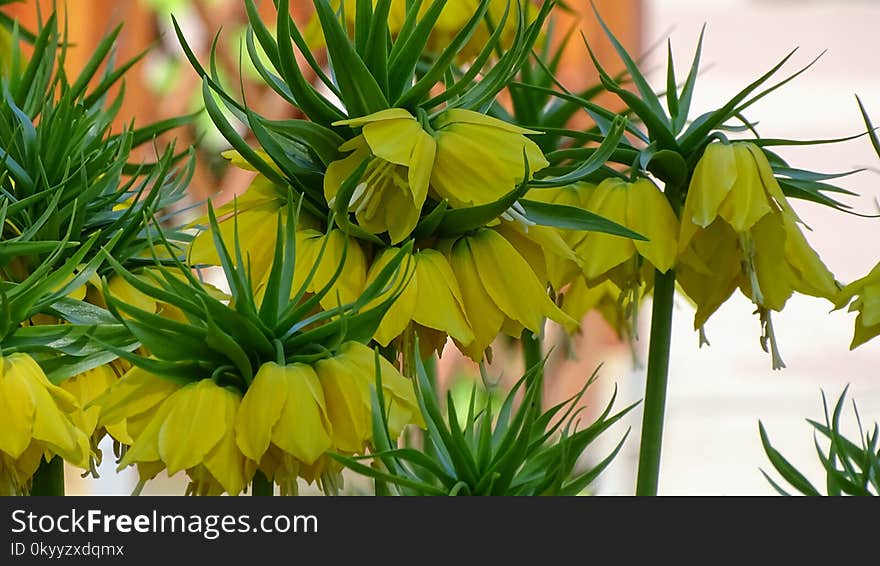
pixel 57 151
pixel 852 467
pixel 228 338
pixel 519 450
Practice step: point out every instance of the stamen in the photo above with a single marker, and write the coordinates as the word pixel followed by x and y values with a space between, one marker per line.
pixel 768 339
pixel 517 213
pixel 748 247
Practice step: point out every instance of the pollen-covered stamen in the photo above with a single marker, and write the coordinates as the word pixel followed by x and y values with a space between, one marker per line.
pixel 517 213
pixel 747 245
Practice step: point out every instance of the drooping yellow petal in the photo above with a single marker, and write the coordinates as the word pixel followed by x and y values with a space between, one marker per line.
pixel 350 283
pixel 17 410
pixel 400 313
pixel 602 252
pixel 439 303
pixel 484 315
pixel 260 410
pixel 649 214
pixel 768 179
pixel 400 398
pixel 225 462
pixel 50 425
pixel 479 159
pixel 812 276
pixel 304 430
pixel 194 426
pixel 347 394
pixel 710 269
pixel 714 176
pixel 394 140
pixel 145 449
pixel 135 393
pixel 747 201
pixel 526 301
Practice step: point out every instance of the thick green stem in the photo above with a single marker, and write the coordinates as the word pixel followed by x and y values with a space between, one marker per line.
pixel 533 356
pixel 655 389
pixel 49 478
pixel 262 486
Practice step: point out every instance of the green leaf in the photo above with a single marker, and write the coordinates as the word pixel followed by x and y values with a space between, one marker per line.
pixel 572 218
pixel 687 91
pixel 785 469
pixel 358 88
pixel 648 95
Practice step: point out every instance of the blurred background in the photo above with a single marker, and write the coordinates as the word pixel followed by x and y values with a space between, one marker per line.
pixel 717 394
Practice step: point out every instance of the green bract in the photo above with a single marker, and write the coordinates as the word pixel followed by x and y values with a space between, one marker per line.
pixel 518 451
pixel 228 339
pixel 57 152
pixel 673 141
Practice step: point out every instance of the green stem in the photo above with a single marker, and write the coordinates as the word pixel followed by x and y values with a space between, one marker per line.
pixel 262 486
pixel 655 389
pixel 533 356
pixel 49 478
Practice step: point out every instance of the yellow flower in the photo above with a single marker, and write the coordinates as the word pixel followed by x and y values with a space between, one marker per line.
pixel 350 283
pixel 867 304
pixel 284 409
pixel 431 297
pixel 36 421
pixel 500 291
pixel 194 430
pixel 85 388
pixel 480 158
pixel 467 158
pixel 738 230
pixel 391 193
pixel 639 206
pixel 346 379
pixel 255 214
pixel 131 402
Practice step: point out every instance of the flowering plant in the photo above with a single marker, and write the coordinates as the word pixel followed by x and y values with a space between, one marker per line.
pixel 432 197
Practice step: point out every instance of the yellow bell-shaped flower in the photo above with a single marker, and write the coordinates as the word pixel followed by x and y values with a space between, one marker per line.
pixel 738 231
pixel 346 379
pixel 284 409
pixel 430 297
pixel 867 289
pixel 394 187
pixel 194 430
pixel 128 406
pixel 85 388
pixel 480 158
pixel 500 291
pixel 336 247
pixel 255 215
pixel 639 206
pixel 37 420
pixel 466 158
